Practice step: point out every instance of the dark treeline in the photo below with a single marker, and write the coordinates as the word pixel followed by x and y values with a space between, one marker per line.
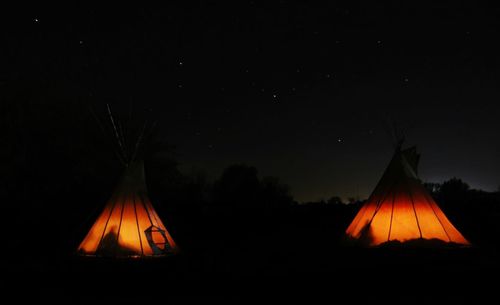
pixel 58 169
pixel 475 212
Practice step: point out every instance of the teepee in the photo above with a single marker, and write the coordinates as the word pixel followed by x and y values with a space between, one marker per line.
pixel 128 226
pixel 401 210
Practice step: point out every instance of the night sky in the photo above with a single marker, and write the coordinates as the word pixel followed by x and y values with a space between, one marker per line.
pixel 302 91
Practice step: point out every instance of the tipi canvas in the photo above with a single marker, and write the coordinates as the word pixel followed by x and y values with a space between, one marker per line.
pixel 401 210
pixel 129 226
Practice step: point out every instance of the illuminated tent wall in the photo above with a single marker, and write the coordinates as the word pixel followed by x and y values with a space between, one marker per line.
pixel 129 226
pixel 401 210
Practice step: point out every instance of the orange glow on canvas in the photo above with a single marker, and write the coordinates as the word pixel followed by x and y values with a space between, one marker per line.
pixel 123 226
pixel 401 209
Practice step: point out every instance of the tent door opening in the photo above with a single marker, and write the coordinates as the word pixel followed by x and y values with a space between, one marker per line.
pixel 157 240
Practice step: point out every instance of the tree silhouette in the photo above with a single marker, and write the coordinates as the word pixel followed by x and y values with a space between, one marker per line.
pixel 453 191
pixel 335 200
pixel 240 186
pixel 237 186
pixel 351 200
pixel 274 193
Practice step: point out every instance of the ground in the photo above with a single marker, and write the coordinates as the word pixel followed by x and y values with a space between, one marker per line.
pixel 309 273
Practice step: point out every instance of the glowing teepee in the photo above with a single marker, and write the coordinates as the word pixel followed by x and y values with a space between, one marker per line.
pixel 128 226
pixel 400 209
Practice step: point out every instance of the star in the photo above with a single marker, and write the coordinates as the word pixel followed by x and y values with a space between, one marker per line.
pixel 180 86
pixel 36 20
pixel 339 140
pixel 406 79
pixel 80 42
pixel 275 96
pixel 180 63
pixel 379 41
pixel 327 76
